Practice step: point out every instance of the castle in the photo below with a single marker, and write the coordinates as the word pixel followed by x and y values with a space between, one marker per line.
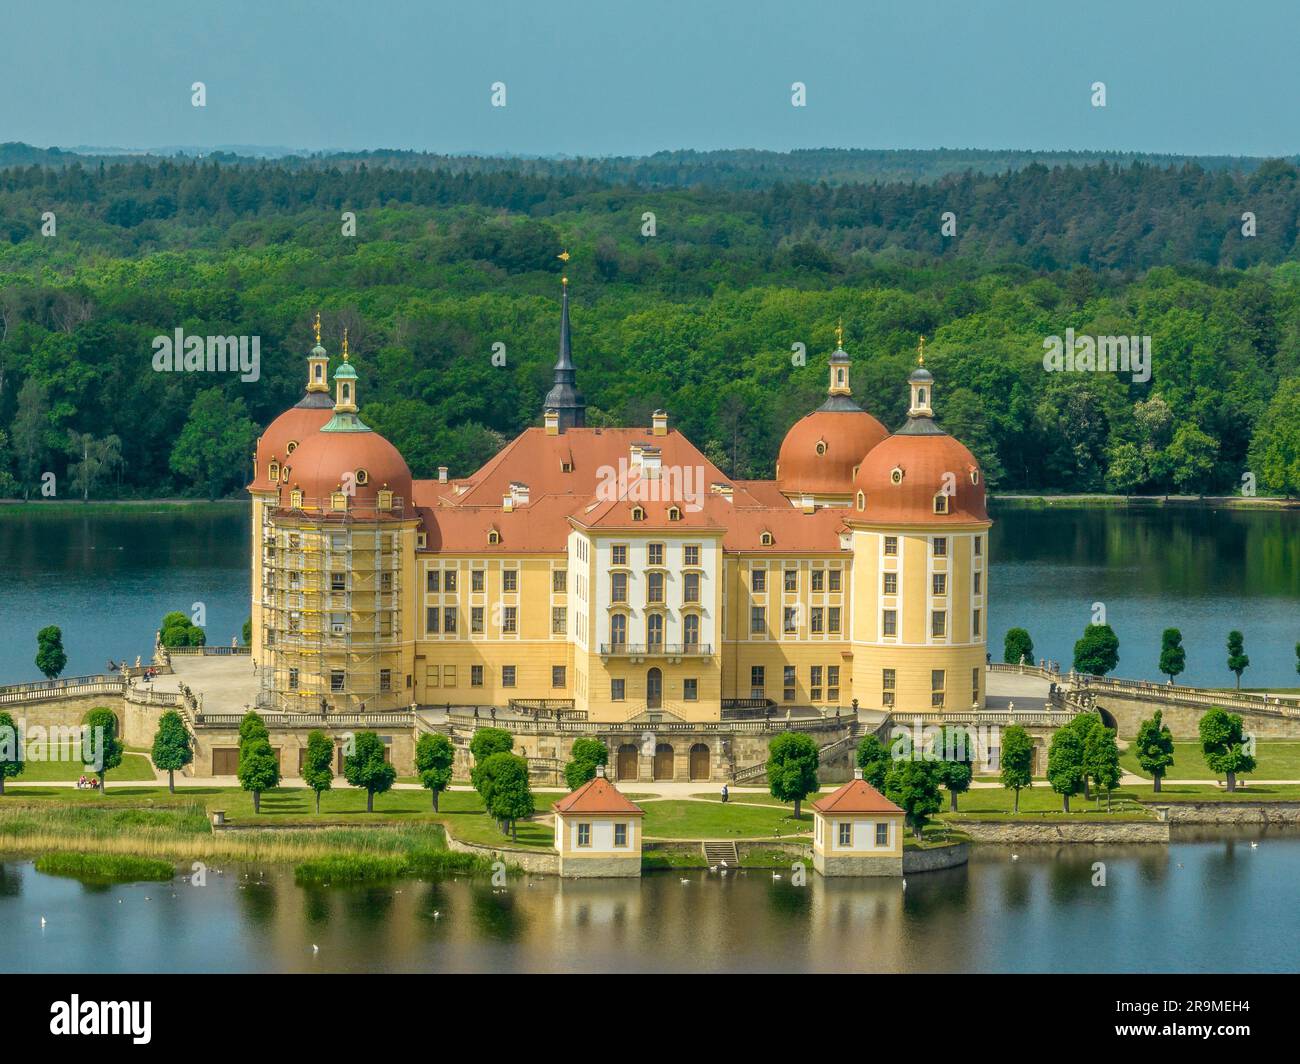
pixel 616 574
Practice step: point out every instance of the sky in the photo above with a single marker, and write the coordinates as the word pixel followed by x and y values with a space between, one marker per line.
pixel 610 77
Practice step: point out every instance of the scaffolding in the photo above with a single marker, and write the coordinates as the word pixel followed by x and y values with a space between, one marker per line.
pixel 332 608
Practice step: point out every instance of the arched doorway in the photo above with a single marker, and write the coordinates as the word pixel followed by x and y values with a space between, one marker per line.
pixel 625 765
pixel 700 762
pixel 663 762
pixel 1107 718
pixel 654 689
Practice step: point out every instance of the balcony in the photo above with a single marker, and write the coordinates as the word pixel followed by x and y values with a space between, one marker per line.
pixel 656 650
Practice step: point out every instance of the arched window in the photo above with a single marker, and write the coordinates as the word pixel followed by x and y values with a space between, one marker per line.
pixel 654 629
pixel 618 629
pixel 291 446
pixel 273 472
pixel 974 475
pixel 638 514
pixel 920 397
pixel 494 537
pixel 674 514
pixel 765 539
pixel 941 503
pixel 691 629
pixel 862 501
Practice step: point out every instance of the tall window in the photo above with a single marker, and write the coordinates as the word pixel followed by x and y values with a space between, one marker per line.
pixel 939 583
pixel 431 584
pixel 691 587
pixel 559 616
pixel 758 580
pixel 882 833
pixel 654 587
pixel 584 834
pixel 818 579
pixel 691 553
pixel 620 836
pixel 691 689
pixel 790 620
pixel 891 583
pixel 788 683
pixel 939 623
pixel 845 835
pixel 815 683
pixel 835 579
pixel 889 622
pixel 891 545
pixel 654 628
pixel 833 620
pixel 476 675
pixel 978 582
pixel 557 675
pixel 509 619
pixel 618 554
pixel 975 685
pixel 476 620
pixel 507 676
pixel 618 629
pixel 449 620
pixel 833 682
pixel 617 690
pixel 757 620
pixel 449 581
pixel 979 546
pixel 432 616
pixel 757 682
pixel 817 620
pixel 975 624
pixel 476 580
pixel 940 547
pixel 509 579
pixel 691 629
pixel 792 579
pixel 559 581
pixel 888 680
pixel 936 688
pixel 656 553
pixel 618 587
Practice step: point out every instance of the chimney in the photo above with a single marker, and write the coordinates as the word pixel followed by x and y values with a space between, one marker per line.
pixel 552 420
pixel 600 771
pixel 507 503
pixel 650 462
pixel 442 474
pixel 659 422
pixel 857 773
pixel 634 459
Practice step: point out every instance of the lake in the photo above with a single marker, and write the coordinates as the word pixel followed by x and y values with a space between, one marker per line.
pixel 107 576
pixel 1199 904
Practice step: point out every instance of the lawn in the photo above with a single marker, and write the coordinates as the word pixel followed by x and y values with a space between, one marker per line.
pixel 1276 760
pixel 713 820
pixel 67 767
pixel 1039 800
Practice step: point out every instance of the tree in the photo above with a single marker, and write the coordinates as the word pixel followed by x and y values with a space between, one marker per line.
pixel 484 743
pixel 258 769
pixel 1224 746
pixel 30 431
pixel 1275 448
pixel 99 739
pixel 171 746
pixel 252 727
pixel 1190 457
pixel 1017 647
pixel 1101 760
pixel 367 767
pixel 318 764
pixel 1097 653
pixel 51 658
pixel 792 761
pixel 97 457
pixel 1237 659
pixel 246 633
pixel 1173 658
pixel 913 786
pixel 1017 761
pixel 1154 748
pixel 1065 770
pixel 510 797
pixel 179 631
pixel 586 755
pixel 11 750
pixel 434 757
pixel 874 760
pixel 213 447
pixel 956 769
pixel 1125 467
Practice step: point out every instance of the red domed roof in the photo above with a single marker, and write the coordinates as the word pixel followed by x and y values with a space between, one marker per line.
pixel 901 477
pixel 294 426
pixel 821 451
pixel 318 466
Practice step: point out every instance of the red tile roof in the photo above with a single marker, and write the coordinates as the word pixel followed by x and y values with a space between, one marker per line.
pixel 856 796
pixel 597 795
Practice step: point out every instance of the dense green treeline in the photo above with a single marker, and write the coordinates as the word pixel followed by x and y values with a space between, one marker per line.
pixel 699 318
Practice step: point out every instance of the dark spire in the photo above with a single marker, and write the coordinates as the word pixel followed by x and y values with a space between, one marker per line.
pixel 564 397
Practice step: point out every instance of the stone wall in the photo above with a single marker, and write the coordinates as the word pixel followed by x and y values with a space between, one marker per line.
pixel 829 865
pixel 1228 812
pixel 935 859
pixel 1130 708
pixel 1056 831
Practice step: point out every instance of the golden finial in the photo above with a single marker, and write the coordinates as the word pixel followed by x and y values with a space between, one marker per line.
pixel 839 335
pixel 563 256
pixel 920 352
pixel 345 343
pixel 317 325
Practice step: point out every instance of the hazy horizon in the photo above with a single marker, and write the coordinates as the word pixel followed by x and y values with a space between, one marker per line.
pixel 583 79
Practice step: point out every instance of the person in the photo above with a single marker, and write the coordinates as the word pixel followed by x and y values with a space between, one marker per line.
pixel 724 792
pixel 81 783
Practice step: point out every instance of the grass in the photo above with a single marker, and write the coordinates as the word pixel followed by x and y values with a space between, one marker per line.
pixel 1276 760
pixel 369 868
pixel 1041 801
pixel 67 767
pixel 708 820
pixel 105 868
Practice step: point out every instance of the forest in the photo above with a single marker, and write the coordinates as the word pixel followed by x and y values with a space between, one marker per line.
pixel 688 293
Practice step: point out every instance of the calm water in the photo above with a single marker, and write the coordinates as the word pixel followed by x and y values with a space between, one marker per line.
pixel 1210 905
pixel 107 579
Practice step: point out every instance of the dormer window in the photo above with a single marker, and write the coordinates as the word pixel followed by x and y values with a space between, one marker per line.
pixel 974 475
pixel 338 500
pixel 674 514
pixel 421 540
pixel 494 537
pixel 765 539
pixel 273 471
pixel 941 503
pixel 638 514
pixel 385 499
pixel 896 475
pixel 821 447
pixel 862 501
pixel 295 499
pixel 363 476
pixel 290 447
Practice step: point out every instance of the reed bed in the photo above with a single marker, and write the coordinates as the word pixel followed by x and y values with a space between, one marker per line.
pixel 105 868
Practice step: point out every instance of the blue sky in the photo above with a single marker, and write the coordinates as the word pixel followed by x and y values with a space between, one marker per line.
pixel 614 77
